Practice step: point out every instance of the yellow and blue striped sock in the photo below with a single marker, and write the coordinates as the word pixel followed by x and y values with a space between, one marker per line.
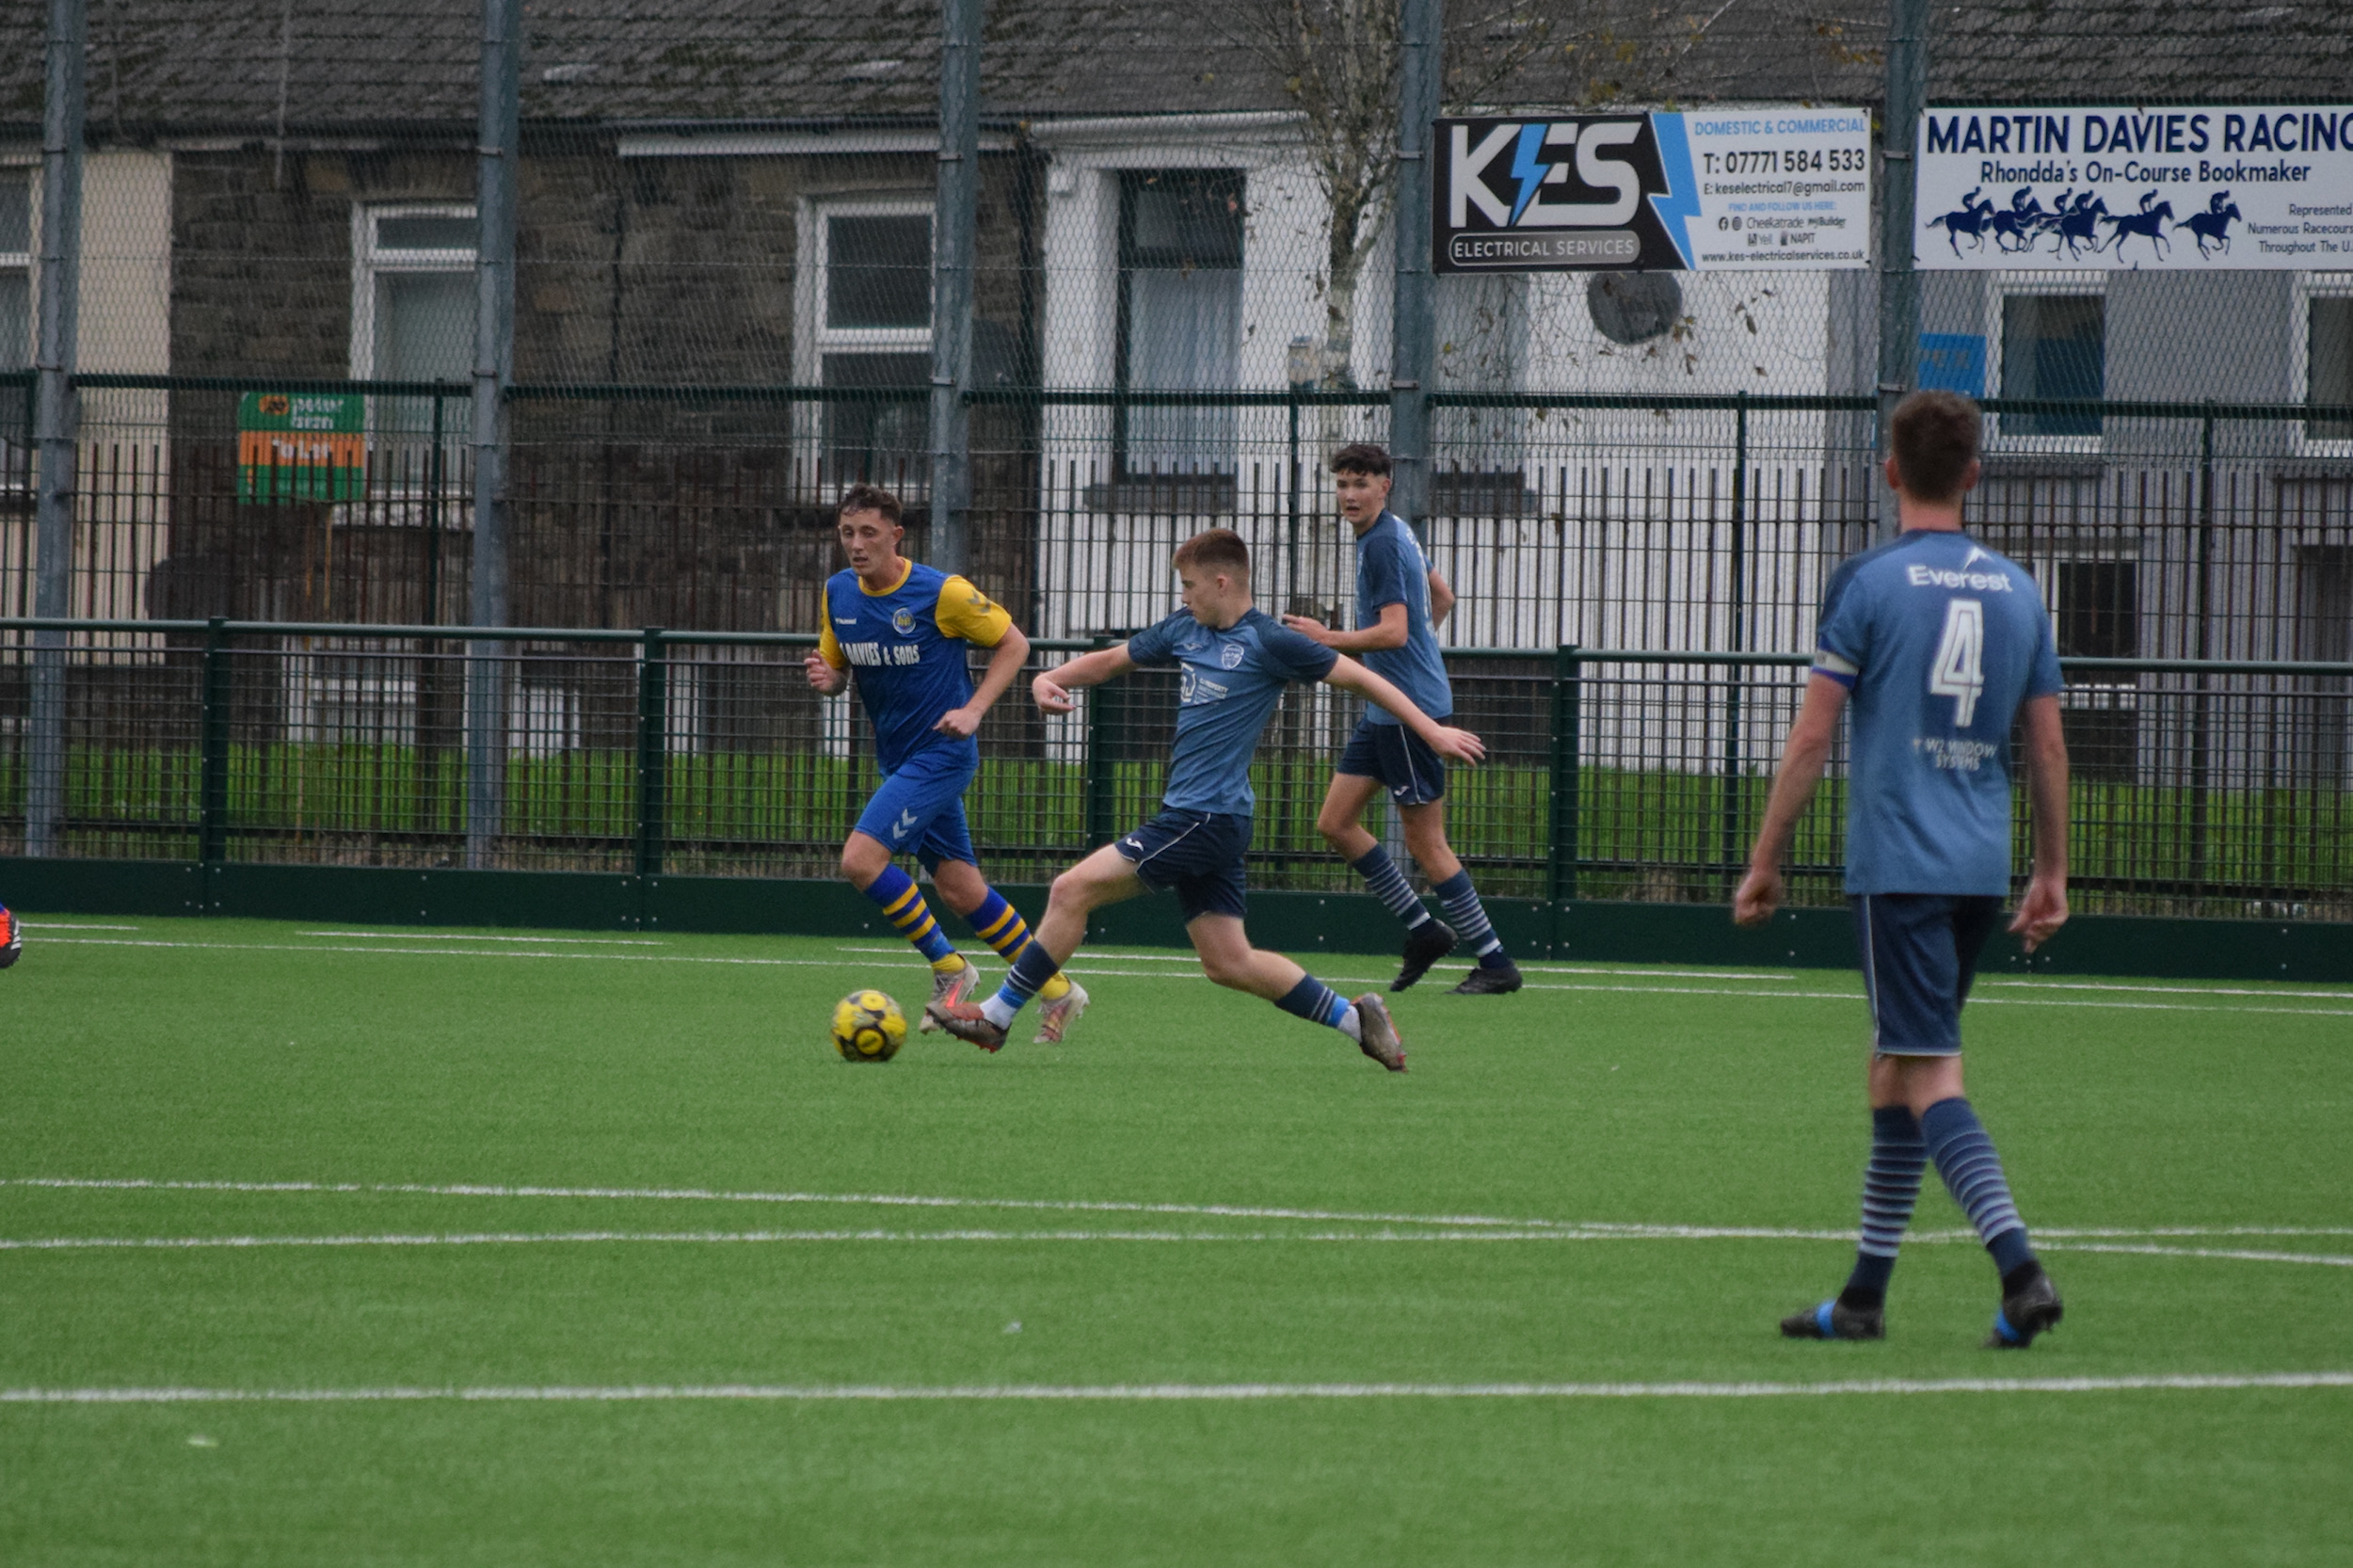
pixel 903 906
pixel 1002 928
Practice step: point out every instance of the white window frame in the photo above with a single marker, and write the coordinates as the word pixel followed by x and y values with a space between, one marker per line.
pixel 369 260
pixel 812 339
pixel 2308 287
pixel 2002 287
pixel 22 260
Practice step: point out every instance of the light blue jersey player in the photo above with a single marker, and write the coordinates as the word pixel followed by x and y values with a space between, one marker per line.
pixel 900 631
pixel 1400 602
pixel 1938 646
pixel 1233 663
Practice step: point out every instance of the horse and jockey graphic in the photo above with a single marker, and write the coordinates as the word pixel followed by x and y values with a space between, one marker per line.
pixel 2073 224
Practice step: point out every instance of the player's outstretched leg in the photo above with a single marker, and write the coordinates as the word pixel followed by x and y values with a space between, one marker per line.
pixel 1342 823
pixel 1061 998
pixel 1227 958
pixel 11 938
pixel 1104 877
pixel 1965 1157
pixel 1891 1188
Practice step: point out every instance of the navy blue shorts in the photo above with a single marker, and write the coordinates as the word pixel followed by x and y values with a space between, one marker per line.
pixel 1398 757
pixel 1919 955
pixel 921 807
pixel 1198 854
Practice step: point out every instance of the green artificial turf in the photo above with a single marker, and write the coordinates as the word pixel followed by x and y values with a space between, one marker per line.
pixel 236 1052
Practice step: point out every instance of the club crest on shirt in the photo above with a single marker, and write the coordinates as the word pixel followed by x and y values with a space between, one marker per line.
pixel 1230 655
pixel 902 621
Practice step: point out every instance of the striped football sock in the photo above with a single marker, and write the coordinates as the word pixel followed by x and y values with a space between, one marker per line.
pixel 997 923
pixel 1026 978
pixel 1964 1158
pixel 903 906
pixel 1388 885
pixel 1891 1187
pixel 1469 918
pixel 1316 1003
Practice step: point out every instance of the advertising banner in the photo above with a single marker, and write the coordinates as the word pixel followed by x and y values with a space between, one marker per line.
pixel 2240 186
pixel 1744 190
pixel 302 446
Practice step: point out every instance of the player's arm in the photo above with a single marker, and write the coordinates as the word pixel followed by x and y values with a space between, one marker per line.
pixel 1004 662
pixel 2044 910
pixel 828 666
pixel 963 611
pixel 1801 763
pixel 1052 689
pixel 1456 745
pixel 1441 598
pixel 1390 631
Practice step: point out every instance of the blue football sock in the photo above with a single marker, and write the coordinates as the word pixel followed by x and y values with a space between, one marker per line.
pixel 1028 976
pixel 1964 1158
pixel 1468 917
pixel 1389 886
pixel 1316 1003
pixel 1891 1187
pixel 895 893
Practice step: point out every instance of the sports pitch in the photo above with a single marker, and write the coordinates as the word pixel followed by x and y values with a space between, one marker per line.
pixel 325 1245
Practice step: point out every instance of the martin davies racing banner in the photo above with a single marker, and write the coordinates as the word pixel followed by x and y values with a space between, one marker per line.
pixel 2232 185
pixel 1745 190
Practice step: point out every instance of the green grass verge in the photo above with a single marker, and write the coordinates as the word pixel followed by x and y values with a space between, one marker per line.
pixel 257 1053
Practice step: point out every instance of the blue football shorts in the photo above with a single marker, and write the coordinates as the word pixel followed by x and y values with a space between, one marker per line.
pixel 1197 854
pixel 1919 955
pixel 920 809
pixel 1415 776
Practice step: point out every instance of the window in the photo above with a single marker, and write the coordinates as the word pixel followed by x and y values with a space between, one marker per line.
pixel 872 331
pixel 412 314
pixel 1180 235
pixel 2054 345
pixel 2323 631
pixel 2326 356
pixel 16 270
pixel 1481 347
pixel 2097 617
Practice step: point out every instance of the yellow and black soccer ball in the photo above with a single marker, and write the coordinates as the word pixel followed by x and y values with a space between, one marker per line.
pixel 868 1027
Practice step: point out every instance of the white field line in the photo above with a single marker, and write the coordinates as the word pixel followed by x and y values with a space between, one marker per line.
pixel 1182 1392
pixel 822 962
pixel 76 925
pixel 2166 990
pixel 1100 956
pixel 436 936
pixel 754 1237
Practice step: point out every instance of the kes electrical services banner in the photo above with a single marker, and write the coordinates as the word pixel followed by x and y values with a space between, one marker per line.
pixel 2232 186
pixel 1748 190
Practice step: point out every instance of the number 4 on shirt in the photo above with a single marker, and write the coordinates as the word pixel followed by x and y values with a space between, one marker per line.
pixel 1959 668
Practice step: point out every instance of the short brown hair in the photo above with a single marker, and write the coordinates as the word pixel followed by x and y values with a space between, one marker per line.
pixel 1933 437
pixel 1361 458
pixel 868 498
pixel 1218 550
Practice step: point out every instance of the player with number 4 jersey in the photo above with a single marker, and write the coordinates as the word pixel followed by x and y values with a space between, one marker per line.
pixel 1936 646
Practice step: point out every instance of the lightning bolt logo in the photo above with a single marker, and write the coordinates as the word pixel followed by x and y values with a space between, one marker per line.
pixel 1529 169
pixel 1682 200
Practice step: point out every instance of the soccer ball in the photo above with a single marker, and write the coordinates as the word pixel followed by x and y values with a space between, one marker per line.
pixel 868 1027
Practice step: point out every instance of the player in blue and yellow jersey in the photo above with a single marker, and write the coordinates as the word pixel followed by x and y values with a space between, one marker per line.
pixel 1936 646
pixel 1399 601
pixel 1234 663
pixel 901 630
pixel 11 938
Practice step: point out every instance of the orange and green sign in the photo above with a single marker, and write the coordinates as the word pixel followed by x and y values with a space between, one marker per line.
pixel 302 446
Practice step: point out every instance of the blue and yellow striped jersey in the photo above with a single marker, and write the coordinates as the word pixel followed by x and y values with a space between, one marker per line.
pixel 905 646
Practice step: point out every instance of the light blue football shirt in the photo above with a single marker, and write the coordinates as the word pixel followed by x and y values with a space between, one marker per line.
pixel 1232 679
pixel 1941 640
pixel 1391 569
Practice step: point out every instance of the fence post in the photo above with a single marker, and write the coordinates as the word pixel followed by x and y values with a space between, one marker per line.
pixel 54 416
pixel 1731 812
pixel 1102 775
pixel 2201 739
pixel 1561 871
pixel 212 787
pixel 653 752
pixel 497 141
pixel 1412 333
pixel 1900 285
pixel 952 248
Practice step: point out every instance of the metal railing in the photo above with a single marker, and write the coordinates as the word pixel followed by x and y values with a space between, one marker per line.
pixel 2200 787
